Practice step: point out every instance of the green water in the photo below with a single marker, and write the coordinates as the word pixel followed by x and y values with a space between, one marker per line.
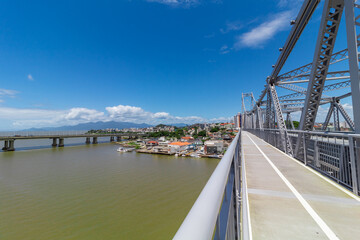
pixel 94 192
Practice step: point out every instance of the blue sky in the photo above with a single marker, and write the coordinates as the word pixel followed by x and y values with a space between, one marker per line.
pixel 153 61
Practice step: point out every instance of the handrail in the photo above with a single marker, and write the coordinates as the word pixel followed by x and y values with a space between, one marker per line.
pixel 318 147
pixel 200 221
pixel 328 134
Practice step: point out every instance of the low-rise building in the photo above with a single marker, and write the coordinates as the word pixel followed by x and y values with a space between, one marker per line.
pixel 179 146
pixel 152 143
pixel 213 147
pixel 187 139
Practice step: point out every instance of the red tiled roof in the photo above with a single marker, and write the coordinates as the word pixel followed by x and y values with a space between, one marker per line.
pixel 179 143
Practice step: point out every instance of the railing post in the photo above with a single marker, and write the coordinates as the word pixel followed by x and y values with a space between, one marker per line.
pixel 284 144
pixel 304 147
pixel 316 154
pixel 354 178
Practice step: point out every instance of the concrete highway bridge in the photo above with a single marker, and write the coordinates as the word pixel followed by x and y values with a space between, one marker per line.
pixel 58 140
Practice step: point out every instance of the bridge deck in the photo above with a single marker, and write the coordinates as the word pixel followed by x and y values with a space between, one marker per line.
pixel 289 201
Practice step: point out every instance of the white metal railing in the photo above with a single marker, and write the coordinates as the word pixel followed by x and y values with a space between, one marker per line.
pixel 336 155
pixel 216 212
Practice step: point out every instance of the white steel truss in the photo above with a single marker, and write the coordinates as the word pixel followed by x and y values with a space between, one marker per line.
pixel 313 78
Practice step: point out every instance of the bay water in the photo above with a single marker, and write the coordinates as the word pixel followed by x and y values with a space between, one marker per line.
pixel 94 192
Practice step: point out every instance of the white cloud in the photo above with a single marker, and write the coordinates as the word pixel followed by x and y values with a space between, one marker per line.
pixel 83 115
pixel 7 93
pixel 289 3
pixel 282 3
pixel 176 3
pixel 259 35
pixel 231 26
pixel 123 113
pixel 30 77
pixel 161 115
pixel 224 49
pixel 27 118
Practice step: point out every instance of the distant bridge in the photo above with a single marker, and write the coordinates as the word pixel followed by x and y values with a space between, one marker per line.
pixel 58 139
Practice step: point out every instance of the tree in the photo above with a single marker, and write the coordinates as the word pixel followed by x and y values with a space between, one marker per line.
pixel 215 129
pixel 202 133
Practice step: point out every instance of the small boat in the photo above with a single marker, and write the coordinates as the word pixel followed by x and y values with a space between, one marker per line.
pixel 122 149
pixel 196 155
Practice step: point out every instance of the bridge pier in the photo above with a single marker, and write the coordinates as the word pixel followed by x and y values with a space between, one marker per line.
pixel 87 140
pixel 6 145
pixel 61 142
pixel 111 139
pixel 118 138
pixel 95 140
pixel 11 145
pixel 54 144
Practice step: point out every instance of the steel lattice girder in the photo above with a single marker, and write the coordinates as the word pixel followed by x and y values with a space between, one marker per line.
pixel 305 13
pixel 280 120
pixel 304 70
pixel 326 88
pixel 329 26
pixel 268 117
pixel 328 116
pixel 345 115
pixel 295 88
pixel 326 41
pixel 304 78
pixel 303 17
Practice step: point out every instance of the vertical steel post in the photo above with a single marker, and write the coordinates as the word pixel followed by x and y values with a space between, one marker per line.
pixel 316 154
pixel 354 171
pixel 304 147
pixel 352 41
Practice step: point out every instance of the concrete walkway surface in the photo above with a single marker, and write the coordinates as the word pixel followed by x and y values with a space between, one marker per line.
pixel 288 201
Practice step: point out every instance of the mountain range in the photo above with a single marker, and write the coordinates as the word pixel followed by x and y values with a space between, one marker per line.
pixel 98 125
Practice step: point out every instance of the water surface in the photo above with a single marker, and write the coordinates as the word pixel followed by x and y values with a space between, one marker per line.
pixel 94 192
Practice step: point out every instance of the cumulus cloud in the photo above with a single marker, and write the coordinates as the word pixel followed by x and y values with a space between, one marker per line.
pixel 122 112
pixel 83 114
pixel 161 115
pixel 259 35
pixel 27 118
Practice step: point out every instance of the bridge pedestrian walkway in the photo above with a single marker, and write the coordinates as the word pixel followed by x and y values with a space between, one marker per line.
pixel 287 200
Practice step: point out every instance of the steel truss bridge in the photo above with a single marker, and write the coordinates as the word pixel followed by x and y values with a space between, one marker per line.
pixel 278 182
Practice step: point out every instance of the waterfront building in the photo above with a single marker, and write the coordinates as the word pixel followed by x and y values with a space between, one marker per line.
pixel 213 147
pixel 179 146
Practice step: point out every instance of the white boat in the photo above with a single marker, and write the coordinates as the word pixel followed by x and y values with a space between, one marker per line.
pixel 196 155
pixel 122 149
